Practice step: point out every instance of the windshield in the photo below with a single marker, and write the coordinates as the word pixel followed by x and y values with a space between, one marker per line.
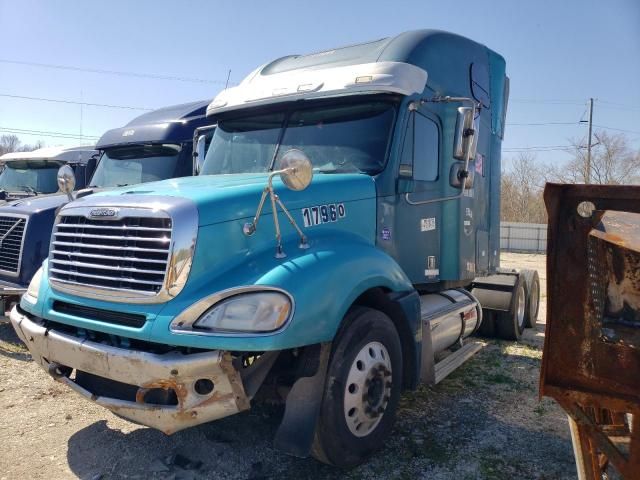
pixel 129 165
pixel 33 176
pixel 336 138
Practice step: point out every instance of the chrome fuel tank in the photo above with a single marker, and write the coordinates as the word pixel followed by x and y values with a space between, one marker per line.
pixel 451 316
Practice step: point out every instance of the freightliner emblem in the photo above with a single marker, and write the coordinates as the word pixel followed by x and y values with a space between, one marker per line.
pixel 103 212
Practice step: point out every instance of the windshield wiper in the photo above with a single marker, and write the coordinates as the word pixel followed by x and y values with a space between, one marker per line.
pixel 122 184
pixel 29 188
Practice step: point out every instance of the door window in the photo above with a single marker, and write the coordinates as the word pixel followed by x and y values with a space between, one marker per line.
pixel 425 149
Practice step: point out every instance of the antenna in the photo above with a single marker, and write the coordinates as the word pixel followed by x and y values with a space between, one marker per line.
pixel 228 75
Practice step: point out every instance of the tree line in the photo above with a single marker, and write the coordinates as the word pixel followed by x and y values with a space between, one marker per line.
pixel 11 143
pixel 613 162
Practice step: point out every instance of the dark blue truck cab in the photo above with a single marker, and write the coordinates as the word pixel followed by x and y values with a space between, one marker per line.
pixel 154 146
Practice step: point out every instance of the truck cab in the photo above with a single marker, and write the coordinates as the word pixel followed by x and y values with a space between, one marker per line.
pixel 27 174
pixel 154 146
pixel 331 253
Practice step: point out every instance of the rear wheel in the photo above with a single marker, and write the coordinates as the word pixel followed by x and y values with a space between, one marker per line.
pixel 532 281
pixel 488 325
pixel 510 324
pixel 362 390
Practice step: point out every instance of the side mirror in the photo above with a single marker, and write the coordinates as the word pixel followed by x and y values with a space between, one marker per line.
pixel 466 135
pixel 296 170
pixel 457 174
pixel 66 180
pixel 199 154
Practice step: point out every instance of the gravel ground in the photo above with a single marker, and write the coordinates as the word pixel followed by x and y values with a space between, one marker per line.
pixel 483 422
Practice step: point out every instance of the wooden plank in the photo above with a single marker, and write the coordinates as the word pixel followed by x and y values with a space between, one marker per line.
pixel 457 358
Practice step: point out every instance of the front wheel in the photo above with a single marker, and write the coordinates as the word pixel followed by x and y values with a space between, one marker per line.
pixel 362 390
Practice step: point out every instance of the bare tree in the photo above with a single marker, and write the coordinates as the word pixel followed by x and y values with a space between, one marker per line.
pixel 522 186
pixel 612 162
pixel 11 143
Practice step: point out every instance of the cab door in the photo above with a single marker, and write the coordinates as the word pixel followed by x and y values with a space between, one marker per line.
pixel 417 239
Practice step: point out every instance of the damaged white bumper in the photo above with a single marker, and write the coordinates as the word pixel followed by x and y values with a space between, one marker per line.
pixel 57 352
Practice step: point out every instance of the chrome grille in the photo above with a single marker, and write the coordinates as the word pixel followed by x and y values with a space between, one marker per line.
pixel 127 255
pixel 12 230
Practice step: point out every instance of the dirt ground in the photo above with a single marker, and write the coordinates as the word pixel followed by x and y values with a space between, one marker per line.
pixel 482 422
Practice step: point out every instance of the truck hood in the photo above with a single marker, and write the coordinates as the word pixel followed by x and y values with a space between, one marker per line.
pixel 29 205
pixel 41 203
pixel 222 198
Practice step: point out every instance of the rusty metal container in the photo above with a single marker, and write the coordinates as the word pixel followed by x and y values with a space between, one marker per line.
pixel 591 359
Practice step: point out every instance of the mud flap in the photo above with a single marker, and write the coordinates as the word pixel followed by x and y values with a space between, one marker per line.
pixel 298 426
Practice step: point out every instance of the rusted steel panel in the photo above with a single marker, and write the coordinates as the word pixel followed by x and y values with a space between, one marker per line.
pixel 579 352
pixel 591 359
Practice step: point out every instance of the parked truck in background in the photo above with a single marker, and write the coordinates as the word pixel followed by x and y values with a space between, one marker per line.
pixel 340 244
pixel 27 174
pixel 153 146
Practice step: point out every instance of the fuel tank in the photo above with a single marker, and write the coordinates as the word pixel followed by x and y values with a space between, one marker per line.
pixel 451 316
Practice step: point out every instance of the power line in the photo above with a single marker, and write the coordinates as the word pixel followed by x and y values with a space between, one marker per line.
pixel 114 72
pixel 47 133
pixel 539 148
pixel 546 102
pixel 543 123
pixel 56 100
pixel 616 129
pixel 621 106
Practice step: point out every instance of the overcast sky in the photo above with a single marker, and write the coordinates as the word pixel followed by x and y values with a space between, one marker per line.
pixel 558 53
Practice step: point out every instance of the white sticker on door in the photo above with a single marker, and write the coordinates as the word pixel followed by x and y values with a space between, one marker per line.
pixel 427 224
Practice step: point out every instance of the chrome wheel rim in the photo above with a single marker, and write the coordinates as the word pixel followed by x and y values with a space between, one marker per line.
pixel 368 389
pixel 520 306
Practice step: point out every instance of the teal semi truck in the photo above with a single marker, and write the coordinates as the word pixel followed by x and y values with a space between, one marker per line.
pixel 340 244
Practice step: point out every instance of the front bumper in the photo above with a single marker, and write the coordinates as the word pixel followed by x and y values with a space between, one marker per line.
pixel 148 371
pixel 10 294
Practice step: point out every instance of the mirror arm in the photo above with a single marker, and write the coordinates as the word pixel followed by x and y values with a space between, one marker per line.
pixel 303 238
pixel 250 228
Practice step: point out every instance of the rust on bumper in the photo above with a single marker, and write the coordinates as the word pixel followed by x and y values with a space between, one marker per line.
pixel 591 358
pixel 174 371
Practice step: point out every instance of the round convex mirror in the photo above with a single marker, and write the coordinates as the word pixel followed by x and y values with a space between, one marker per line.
pixel 297 171
pixel 66 179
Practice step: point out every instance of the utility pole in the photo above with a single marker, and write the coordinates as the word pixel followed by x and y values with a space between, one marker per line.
pixel 588 175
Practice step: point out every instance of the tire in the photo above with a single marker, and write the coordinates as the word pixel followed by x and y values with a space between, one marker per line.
pixel 532 280
pixel 488 326
pixel 353 425
pixel 510 325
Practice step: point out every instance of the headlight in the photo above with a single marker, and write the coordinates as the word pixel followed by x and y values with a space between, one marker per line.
pixel 34 287
pixel 247 312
